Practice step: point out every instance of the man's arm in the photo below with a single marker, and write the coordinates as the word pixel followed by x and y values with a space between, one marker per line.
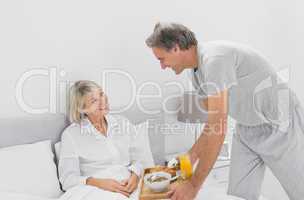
pixel 209 144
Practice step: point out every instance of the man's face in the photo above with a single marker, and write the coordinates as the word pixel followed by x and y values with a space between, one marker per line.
pixel 169 59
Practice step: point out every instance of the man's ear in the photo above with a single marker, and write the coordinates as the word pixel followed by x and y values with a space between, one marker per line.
pixel 176 48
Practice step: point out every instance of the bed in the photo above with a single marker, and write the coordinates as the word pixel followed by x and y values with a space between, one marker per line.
pixel 35 128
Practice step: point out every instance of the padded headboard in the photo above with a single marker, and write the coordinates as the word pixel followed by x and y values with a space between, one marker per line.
pixel 30 129
pixel 34 128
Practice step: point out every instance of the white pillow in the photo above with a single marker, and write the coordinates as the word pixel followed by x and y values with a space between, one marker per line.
pixel 179 136
pixel 142 142
pixel 16 196
pixel 29 169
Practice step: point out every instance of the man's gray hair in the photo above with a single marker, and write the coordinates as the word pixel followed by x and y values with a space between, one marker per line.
pixel 167 35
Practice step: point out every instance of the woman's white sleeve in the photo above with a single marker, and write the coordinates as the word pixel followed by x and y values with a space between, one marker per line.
pixel 68 167
pixel 136 153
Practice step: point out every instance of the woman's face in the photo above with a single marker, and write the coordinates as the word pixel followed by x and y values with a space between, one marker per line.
pixel 96 104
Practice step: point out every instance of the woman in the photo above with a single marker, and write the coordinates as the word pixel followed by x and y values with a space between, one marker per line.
pixel 97 148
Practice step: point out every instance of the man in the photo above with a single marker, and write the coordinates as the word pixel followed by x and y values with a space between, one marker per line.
pixel 238 81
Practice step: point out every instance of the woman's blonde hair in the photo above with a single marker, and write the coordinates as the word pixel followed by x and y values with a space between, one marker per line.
pixel 78 92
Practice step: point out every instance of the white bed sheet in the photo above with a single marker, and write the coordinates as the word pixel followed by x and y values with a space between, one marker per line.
pixel 90 193
pixel 16 196
pixel 217 193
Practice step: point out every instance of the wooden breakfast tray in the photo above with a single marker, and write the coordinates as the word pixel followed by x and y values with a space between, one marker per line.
pixel 146 193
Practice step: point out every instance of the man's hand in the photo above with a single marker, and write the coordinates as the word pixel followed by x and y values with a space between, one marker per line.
pixel 184 191
pixel 109 185
pixel 132 183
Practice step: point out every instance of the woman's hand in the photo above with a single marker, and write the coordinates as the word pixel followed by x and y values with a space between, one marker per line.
pixel 132 183
pixel 109 185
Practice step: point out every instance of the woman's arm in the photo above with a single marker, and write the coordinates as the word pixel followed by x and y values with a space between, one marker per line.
pixel 68 167
pixel 136 151
pixel 108 185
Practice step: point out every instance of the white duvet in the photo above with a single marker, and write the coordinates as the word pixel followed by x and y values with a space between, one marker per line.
pixel 91 193
pixel 76 193
pixel 217 193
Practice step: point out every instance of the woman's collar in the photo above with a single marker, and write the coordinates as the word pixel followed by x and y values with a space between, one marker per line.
pixel 87 125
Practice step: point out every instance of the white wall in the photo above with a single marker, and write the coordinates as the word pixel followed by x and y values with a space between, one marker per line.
pixel 82 38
